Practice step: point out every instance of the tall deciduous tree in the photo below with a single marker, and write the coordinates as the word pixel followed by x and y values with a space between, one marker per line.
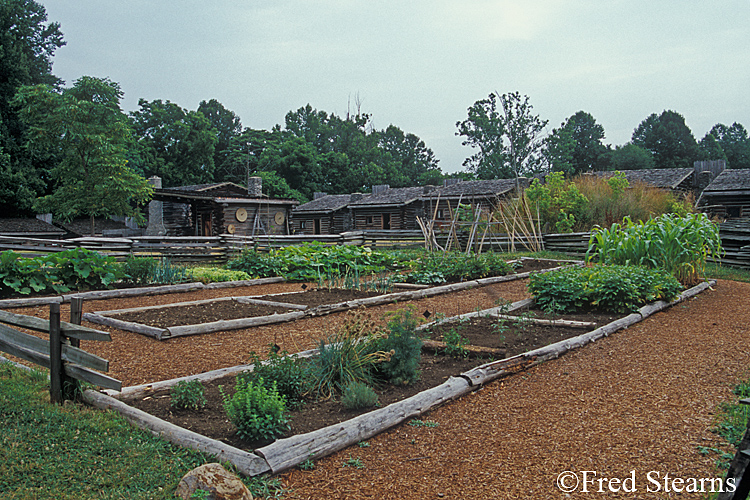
pixel 27 44
pixel 89 133
pixel 174 143
pixel 226 124
pixel 416 163
pixel 734 142
pixel 630 157
pixel 669 139
pixel 588 136
pixel 505 133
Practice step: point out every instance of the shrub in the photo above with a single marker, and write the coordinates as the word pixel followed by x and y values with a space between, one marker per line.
pixel 256 264
pixel 280 369
pixel 607 287
pixel 256 411
pixel 138 270
pixel 406 348
pixel 457 266
pixel 188 395
pixel 680 245
pixel 358 395
pixel 348 356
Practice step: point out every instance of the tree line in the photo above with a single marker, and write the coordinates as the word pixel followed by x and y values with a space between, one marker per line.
pixel 73 151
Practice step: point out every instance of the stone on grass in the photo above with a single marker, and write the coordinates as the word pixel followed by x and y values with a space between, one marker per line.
pixel 216 480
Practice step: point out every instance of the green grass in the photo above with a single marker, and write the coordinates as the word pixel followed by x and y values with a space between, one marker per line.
pixel 75 452
pixel 727 272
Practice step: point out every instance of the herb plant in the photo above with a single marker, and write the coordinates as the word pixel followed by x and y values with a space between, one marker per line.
pixel 188 395
pixel 256 411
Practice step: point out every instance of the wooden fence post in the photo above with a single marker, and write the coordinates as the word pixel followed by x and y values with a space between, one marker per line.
pixel 76 315
pixel 55 355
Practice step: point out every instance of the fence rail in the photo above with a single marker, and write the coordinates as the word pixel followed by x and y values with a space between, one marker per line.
pixel 61 353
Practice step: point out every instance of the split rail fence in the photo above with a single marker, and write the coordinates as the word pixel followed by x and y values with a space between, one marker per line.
pixel 62 354
pixel 735 238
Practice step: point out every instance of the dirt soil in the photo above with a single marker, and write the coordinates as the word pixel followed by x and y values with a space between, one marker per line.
pixel 228 309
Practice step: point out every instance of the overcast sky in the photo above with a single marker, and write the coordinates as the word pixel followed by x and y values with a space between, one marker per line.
pixel 420 64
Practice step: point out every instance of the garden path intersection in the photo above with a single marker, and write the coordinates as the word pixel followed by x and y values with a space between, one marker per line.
pixel 633 408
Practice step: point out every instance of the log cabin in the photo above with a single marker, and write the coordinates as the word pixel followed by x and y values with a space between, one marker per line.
pixel 326 214
pixel 215 209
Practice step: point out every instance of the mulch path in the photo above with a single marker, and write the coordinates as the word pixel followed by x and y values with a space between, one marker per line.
pixel 640 400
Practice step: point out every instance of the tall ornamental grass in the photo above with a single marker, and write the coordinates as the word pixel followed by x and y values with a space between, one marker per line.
pixel 680 245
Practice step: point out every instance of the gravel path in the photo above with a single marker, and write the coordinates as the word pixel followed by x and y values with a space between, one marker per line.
pixel 641 400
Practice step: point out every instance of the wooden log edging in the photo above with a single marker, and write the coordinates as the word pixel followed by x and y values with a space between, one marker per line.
pixel 151 331
pixel 493 311
pixel 232 324
pixel 285 453
pixel 239 283
pixel 491 371
pixel 139 391
pixel 247 463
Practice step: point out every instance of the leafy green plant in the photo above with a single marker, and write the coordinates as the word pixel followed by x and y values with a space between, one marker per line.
pixel 255 264
pixel 404 346
pixel 607 287
pixel 358 395
pixel 346 356
pixel 679 245
pixel 281 369
pixel 308 464
pixel 256 411
pixel 138 270
pixel 215 275
pixel 357 463
pixel 422 423
pixel 456 266
pixel 188 395
pixel 454 343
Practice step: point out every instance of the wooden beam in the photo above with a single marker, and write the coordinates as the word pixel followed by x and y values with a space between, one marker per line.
pixel 42 325
pixel 96 378
pixel 69 352
pixel 56 373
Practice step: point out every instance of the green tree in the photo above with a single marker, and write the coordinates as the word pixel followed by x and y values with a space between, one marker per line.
pixel 630 157
pixel 506 135
pixel 415 162
pixel 710 149
pixel 587 136
pixel 295 161
pixel 734 142
pixel 85 126
pixel 27 44
pixel 668 138
pixel 558 149
pixel 244 153
pixel 174 143
pixel 226 125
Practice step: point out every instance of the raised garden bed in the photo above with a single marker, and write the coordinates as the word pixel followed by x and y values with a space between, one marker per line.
pixel 165 330
pixel 287 452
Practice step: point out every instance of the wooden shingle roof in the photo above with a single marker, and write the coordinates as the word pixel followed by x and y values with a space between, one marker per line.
pixel 480 188
pixel 327 204
pixel 730 180
pixel 395 197
pixel 29 227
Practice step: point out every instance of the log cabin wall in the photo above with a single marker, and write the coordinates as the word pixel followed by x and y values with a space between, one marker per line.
pixel 267 222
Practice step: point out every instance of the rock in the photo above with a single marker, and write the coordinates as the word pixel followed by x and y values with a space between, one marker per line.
pixel 216 480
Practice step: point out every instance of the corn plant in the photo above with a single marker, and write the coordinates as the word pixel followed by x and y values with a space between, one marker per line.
pixel 680 245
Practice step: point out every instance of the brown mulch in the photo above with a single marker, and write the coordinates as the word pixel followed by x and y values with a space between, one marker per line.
pixel 641 400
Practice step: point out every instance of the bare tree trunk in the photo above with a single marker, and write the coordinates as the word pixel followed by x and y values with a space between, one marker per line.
pixel 92 226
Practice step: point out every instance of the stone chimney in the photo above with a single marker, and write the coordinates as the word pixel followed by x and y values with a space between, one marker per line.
pixel 155 212
pixel 380 188
pixel 318 195
pixel 450 182
pixel 255 187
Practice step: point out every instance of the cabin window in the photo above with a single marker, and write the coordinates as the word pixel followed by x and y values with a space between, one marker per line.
pixel 386 221
pixel 439 213
pixel 302 224
pixel 368 219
